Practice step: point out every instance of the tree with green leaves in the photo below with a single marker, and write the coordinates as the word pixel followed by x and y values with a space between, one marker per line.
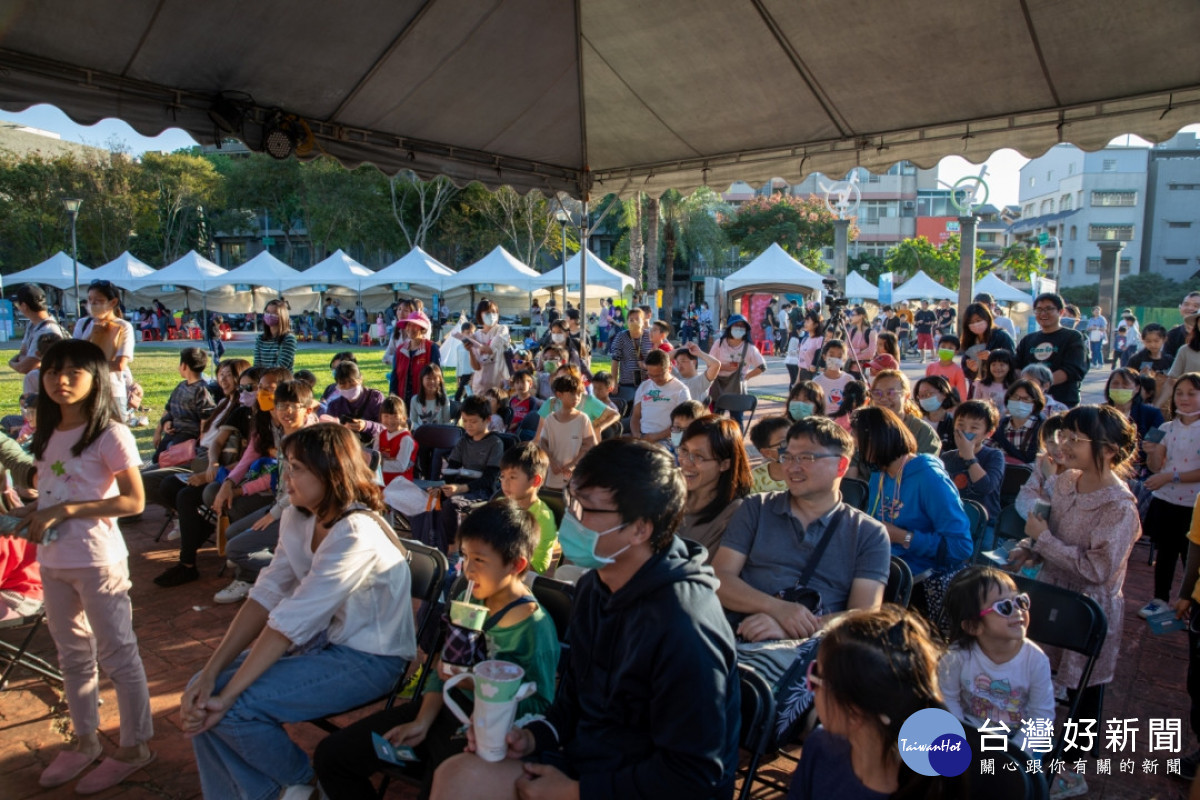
pixel 938 262
pixel 180 187
pixel 690 230
pixel 802 226
pixel 1021 261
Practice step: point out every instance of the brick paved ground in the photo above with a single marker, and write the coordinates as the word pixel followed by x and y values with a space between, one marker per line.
pixel 178 629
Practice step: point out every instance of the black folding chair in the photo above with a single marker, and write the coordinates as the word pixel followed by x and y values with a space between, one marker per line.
pixel 1010 524
pixel 428 567
pixel 1072 621
pixel 978 517
pixel 622 405
pixel 738 402
pixel 1008 779
pixel 855 493
pixel 900 583
pixel 758 718
pixel 1015 476
pixel 557 503
pixel 557 598
pixel 434 442
pixel 13 656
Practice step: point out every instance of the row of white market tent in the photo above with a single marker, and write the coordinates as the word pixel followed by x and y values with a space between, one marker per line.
pixel 774 270
pixel 251 285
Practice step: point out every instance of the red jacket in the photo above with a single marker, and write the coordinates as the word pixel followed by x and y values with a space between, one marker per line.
pixel 19 571
pixel 408 370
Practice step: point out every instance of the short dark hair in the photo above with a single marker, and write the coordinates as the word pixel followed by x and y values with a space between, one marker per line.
pixel 644 481
pixel 345 355
pixel 602 377
pixel 294 391
pixel 683 352
pixel 949 338
pixel 965 596
pixel 527 457
pixel 394 405
pixel 195 359
pixel 32 295
pixel 45 341
pixel 825 432
pixel 1050 297
pixel 305 375
pixel 346 372
pixel 657 358
pixel 475 406
pixel 978 410
pixel 762 433
pixel 503 526
pixel 1034 390
pixel 692 409
pixel 567 383
pixel 1154 327
pixel 662 326
pixel 522 374
pixel 881 436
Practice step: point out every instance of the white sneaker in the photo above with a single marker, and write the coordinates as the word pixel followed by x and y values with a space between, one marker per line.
pixel 300 791
pixel 173 531
pixel 234 593
pixel 1155 606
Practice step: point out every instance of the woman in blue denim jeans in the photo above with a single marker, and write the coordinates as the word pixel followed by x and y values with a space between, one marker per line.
pixel 327 627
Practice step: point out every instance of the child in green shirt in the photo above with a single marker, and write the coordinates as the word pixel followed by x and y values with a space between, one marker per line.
pixel 496 542
pixel 522 472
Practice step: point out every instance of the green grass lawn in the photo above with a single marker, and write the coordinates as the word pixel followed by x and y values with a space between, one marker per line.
pixel 155 368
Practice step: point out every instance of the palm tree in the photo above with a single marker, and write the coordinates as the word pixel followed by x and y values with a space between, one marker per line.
pixel 652 260
pixel 691 230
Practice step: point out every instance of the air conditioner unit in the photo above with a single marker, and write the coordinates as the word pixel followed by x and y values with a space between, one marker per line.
pixel 910 204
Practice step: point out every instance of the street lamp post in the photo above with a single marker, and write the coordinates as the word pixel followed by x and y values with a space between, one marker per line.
pixel 563 218
pixel 72 205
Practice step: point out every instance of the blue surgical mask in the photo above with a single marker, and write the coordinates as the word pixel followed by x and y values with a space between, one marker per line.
pixel 579 543
pixel 1019 409
pixel 931 404
pixel 676 438
pixel 798 409
pixel 970 437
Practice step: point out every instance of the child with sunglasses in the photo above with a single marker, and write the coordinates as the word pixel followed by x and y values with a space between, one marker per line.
pixel 991 671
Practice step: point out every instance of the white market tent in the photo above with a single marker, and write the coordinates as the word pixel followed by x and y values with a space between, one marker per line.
pixel 417 267
pixel 595 97
pixel 859 288
pixel 602 279
pixel 1001 291
pixel 57 271
pixel 498 268
pixel 773 271
pixel 263 270
pixel 193 271
pixel 123 270
pixel 922 287
pixel 338 269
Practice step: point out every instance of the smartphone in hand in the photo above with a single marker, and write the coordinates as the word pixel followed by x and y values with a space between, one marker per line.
pixel 388 752
pixel 1041 509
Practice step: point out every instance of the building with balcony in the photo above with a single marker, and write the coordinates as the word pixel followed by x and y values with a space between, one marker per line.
pixel 1172 243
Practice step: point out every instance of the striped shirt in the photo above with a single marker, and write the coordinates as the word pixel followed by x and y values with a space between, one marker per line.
pixel 626 355
pixel 270 352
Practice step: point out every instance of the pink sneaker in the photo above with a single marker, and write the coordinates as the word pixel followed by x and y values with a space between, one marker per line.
pixel 108 774
pixel 65 766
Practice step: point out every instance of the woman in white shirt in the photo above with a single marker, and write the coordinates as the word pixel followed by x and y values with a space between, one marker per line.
pixel 327 627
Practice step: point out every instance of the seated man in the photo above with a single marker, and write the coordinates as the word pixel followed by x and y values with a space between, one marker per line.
pixel 649 703
pixel 805 538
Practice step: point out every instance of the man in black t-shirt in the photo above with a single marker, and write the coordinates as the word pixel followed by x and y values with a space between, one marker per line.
pixel 945 318
pixel 924 320
pixel 1178 335
pixel 1062 350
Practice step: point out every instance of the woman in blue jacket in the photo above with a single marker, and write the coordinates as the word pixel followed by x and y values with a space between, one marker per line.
pixel 912 495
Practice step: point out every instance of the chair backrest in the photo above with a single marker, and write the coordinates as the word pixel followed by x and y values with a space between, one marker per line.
pixel 1008 778
pixel 978 517
pixel 554 499
pixel 557 598
pixel 428 566
pixel 621 403
pixel 855 493
pixel 1015 476
pixel 437 437
pixel 900 583
pixel 1010 524
pixel 1062 618
pixel 758 715
pixel 509 440
pixel 736 402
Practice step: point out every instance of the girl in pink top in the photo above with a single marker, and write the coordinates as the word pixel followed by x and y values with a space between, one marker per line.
pixel 87 470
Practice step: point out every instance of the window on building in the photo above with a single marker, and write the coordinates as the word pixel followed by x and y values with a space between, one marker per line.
pixel 871 211
pixel 1110 233
pixel 1071 266
pixel 1071 169
pixel 1047 206
pixel 1064 203
pixel 1114 198
pixel 1073 233
pixel 1180 224
pixel 1093 266
pixel 1109 165
pixel 1032 181
pixel 233 253
pixel 1183 187
pixel 1028 212
pixel 1049 175
pixel 1175 262
pixel 987 238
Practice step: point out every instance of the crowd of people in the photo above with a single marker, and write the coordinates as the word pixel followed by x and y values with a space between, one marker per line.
pixel 688 563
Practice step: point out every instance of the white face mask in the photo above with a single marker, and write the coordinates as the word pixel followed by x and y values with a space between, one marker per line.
pixel 834 363
pixel 738 333
pixel 676 438
pixel 558 338
pixel 351 394
pixel 490 319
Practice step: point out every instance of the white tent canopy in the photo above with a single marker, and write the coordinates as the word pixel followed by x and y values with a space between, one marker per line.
pixel 263 270
pixel 417 267
pixel 192 270
pixel 773 271
pixel 337 270
pixel 922 287
pixel 600 97
pixel 602 279
pixel 859 288
pixel 1000 290
pixel 501 268
pixel 123 270
pixel 57 271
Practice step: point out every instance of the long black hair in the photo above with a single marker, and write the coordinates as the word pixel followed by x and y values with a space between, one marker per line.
pixel 99 407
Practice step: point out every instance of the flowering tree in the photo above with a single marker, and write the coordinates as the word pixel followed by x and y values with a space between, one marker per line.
pixel 800 225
